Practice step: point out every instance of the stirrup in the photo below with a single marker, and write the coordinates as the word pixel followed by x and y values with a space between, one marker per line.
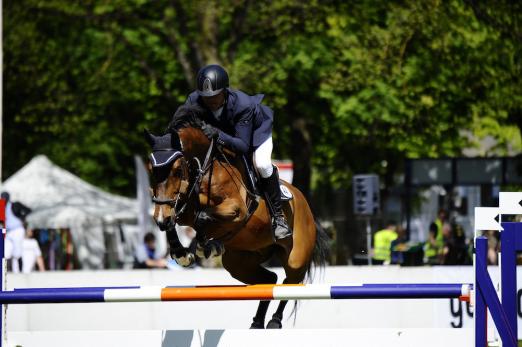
pixel 280 228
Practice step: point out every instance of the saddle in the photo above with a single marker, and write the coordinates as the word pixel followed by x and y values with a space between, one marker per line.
pixel 253 184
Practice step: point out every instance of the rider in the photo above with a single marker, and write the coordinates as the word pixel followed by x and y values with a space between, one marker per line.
pixel 240 122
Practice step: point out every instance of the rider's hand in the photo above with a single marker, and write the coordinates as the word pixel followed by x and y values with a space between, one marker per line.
pixel 210 131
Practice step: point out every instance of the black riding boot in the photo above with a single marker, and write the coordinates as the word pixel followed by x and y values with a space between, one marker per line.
pixel 271 187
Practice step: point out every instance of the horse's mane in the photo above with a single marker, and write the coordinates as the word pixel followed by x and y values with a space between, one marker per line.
pixel 187 116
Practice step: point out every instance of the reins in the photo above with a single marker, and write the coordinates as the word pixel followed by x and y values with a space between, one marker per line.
pixel 202 170
pixel 233 174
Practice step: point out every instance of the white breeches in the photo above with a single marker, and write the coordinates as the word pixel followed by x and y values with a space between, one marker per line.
pixel 16 238
pixel 263 158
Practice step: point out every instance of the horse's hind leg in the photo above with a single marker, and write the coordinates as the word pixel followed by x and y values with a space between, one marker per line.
pixel 245 267
pixel 277 317
pixel 258 321
pixel 295 276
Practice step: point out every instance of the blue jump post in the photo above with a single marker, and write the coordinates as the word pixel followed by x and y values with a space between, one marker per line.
pixel 504 315
pixel 481 312
pixel 2 222
pixel 489 299
pixel 511 244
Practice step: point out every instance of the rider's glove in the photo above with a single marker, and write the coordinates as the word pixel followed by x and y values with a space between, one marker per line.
pixel 210 131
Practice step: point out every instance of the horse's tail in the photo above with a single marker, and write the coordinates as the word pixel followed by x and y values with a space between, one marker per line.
pixel 321 252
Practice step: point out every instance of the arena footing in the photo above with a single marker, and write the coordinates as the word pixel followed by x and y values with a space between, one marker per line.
pixel 244 337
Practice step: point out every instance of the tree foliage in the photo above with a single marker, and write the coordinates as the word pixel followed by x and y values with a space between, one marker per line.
pixel 356 86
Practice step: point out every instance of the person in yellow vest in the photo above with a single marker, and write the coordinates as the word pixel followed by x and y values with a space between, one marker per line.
pixel 433 250
pixel 440 222
pixel 382 241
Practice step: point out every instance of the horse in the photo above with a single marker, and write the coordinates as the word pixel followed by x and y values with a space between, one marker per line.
pixel 197 183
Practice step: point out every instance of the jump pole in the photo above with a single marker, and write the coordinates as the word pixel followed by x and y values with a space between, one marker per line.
pixel 240 292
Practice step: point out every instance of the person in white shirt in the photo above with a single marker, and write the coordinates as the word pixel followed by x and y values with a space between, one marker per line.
pixel 15 213
pixel 31 253
pixel 147 257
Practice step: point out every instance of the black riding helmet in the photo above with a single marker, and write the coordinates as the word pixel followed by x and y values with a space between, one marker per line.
pixel 211 80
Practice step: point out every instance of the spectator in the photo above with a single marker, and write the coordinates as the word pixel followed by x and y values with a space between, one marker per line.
pixel 455 251
pixel 439 222
pixel 2 212
pixel 493 246
pixel 146 255
pixel 15 214
pixel 382 243
pixel 31 253
pixel 433 248
pixel 399 246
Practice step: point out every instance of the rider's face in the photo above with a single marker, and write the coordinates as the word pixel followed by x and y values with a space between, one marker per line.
pixel 214 102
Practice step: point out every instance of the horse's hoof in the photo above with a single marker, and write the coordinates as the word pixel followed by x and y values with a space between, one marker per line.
pixel 210 249
pixel 275 323
pixel 186 261
pixel 178 252
pixel 218 248
pixel 200 250
pixel 257 325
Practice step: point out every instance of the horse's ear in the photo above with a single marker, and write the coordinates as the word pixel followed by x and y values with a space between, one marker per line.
pixel 175 142
pixel 151 139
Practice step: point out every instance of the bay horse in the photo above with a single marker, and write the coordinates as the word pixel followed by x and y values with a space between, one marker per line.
pixel 196 183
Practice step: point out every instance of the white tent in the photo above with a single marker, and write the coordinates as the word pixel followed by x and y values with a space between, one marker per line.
pixel 61 200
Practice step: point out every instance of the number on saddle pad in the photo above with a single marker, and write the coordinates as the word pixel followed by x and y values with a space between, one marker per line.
pixel 286 194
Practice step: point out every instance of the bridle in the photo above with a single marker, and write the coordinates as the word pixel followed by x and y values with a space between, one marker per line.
pixel 183 184
pixel 185 181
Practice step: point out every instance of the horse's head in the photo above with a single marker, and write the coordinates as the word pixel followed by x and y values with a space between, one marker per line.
pixel 169 177
pixel 175 159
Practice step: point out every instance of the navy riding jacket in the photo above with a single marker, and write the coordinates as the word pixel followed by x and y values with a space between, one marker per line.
pixel 244 123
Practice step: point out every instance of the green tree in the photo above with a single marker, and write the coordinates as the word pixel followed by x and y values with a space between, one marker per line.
pixel 408 79
pixel 356 86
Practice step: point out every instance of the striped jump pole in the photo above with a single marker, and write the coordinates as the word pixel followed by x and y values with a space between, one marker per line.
pixel 240 292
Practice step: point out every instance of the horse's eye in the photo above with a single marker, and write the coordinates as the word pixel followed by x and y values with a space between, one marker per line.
pixel 160 174
pixel 177 172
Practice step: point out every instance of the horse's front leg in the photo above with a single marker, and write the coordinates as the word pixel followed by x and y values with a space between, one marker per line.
pixel 228 212
pixel 180 254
